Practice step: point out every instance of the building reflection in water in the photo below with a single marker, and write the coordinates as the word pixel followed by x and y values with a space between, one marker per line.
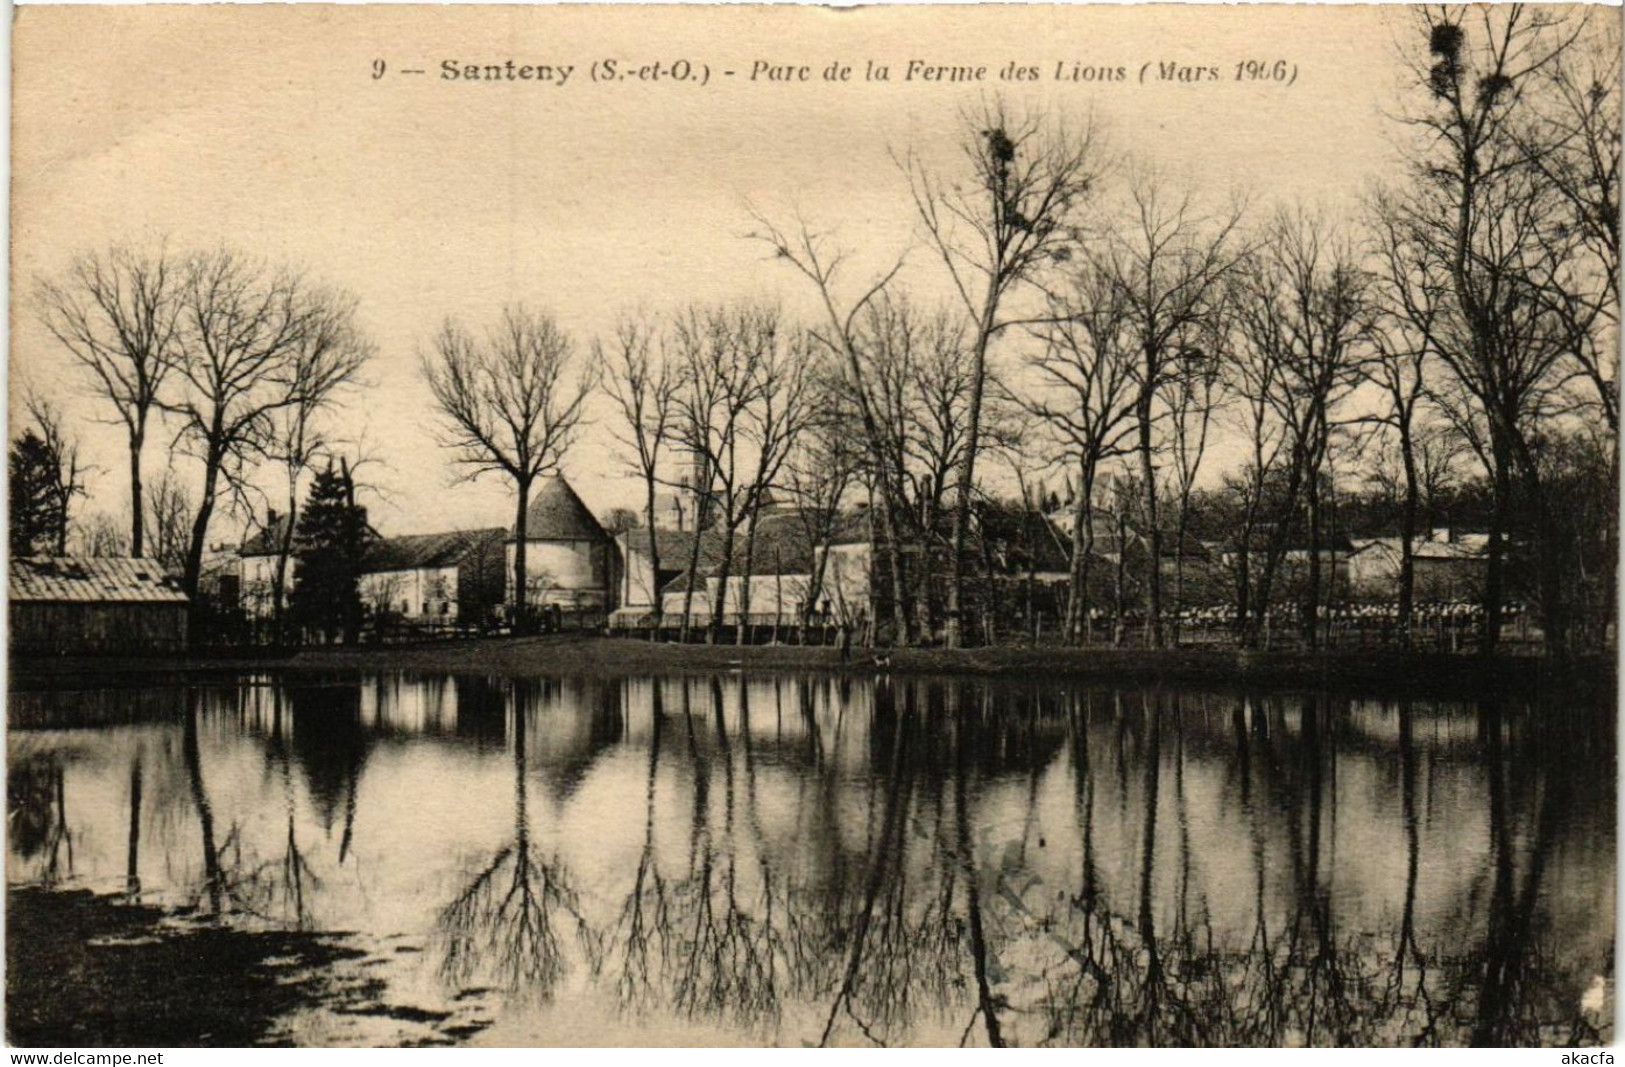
pixel 888 861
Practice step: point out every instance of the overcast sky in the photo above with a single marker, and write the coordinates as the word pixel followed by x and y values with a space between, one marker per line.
pixel 262 127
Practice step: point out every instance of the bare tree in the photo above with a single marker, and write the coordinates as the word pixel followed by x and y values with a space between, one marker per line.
pixel 1170 259
pixel 643 384
pixel 820 469
pixel 917 368
pixel 1410 290
pixel 993 234
pixel 61 454
pixel 770 428
pixel 742 397
pixel 1083 392
pixel 1571 138
pixel 102 536
pixel 330 355
pixel 244 333
pixel 512 402
pixel 845 336
pixel 116 313
pixel 1304 312
pixel 1196 396
pixel 1499 234
pixel 329 358
pixel 169 519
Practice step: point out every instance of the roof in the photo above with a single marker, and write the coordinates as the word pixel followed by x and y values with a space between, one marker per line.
pixel 420 551
pixel 88 580
pixel 266 542
pixel 556 513
pixel 781 547
pixel 1422 548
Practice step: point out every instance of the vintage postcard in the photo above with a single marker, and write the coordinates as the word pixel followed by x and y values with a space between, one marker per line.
pixel 784 526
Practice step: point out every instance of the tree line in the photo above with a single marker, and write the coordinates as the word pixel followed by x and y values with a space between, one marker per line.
pixel 1085 319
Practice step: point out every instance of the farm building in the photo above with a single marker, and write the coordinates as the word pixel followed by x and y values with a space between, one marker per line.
pixel 1446 567
pixel 780 560
pixel 71 605
pixel 569 557
pixel 441 578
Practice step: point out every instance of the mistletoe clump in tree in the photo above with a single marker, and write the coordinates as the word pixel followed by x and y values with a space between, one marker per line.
pixel 331 540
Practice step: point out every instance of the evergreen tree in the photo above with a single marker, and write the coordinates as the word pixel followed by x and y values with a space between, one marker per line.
pixel 331 538
pixel 37 516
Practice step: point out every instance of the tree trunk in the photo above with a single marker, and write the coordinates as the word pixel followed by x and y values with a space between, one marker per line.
pixel 284 550
pixel 894 550
pixel 1181 528
pixel 688 590
pixel 1548 562
pixel 1153 539
pixel 713 630
pixel 1311 622
pixel 1407 536
pixel 200 533
pixel 521 532
pixel 138 437
pixel 967 468
pixel 744 587
pixel 924 619
pixel 1495 573
pixel 1119 594
pixel 1077 593
pixel 657 604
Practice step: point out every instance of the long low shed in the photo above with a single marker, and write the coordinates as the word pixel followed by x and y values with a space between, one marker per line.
pixel 74 605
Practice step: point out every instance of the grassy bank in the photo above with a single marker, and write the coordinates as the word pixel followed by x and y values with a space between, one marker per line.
pixel 576 655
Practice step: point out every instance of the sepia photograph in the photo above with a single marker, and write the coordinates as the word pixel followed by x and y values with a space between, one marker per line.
pixel 760 526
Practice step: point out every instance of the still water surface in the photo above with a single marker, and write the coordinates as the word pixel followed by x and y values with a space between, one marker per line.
pixel 806 859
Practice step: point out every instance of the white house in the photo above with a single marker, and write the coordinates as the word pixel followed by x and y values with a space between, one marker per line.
pixel 439 578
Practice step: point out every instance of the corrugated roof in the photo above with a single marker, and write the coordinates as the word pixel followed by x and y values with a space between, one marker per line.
pixel 557 514
pixel 416 551
pixel 88 580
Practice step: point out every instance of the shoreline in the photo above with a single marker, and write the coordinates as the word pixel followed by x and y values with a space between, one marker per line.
pixel 576 655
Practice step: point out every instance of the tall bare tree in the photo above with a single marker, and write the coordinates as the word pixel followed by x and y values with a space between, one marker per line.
pixel 1170 257
pixel 770 428
pixel 742 397
pixel 169 520
pixel 821 468
pixel 330 355
pixel 244 332
pixel 1304 312
pixel 1084 393
pixel 66 474
pixel 116 313
pixel 1409 293
pixel 995 233
pixel 845 335
pixel 643 384
pixel 1498 232
pixel 513 401
pixel 1571 138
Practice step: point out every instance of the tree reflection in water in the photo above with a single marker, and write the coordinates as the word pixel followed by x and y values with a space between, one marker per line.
pixel 894 860
pixel 37 815
pixel 503 924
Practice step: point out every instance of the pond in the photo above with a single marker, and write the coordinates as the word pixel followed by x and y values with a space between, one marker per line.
pixel 802 859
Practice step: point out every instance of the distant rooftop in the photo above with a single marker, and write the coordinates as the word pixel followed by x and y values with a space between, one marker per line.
pixel 556 513
pixel 91 580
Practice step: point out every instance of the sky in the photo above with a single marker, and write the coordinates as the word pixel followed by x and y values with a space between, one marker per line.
pixel 263 128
